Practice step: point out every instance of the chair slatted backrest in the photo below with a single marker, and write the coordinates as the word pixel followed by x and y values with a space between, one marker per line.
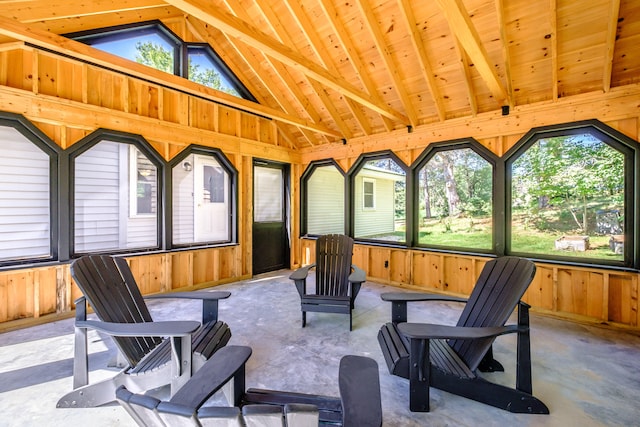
pixel 109 287
pixel 501 285
pixel 333 264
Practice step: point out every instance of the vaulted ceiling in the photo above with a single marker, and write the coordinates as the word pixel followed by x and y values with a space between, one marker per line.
pixel 353 68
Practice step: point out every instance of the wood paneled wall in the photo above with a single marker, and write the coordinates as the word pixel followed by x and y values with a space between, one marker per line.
pixel 67 99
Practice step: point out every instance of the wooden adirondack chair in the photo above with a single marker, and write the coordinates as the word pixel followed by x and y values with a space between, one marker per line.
pixel 448 357
pixel 337 280
pixel 359 404
pixel 152 361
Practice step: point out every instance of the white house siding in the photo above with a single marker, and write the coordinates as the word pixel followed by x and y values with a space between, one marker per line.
pixel 97 198
pixel 24 198
pixel 371 222
pixel 325 201
pixel 183 203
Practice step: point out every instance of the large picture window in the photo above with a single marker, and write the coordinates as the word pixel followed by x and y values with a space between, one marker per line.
pixel 203 198
pixel 379 198
pixel 115 196
pixel 455 197
pixel 569 195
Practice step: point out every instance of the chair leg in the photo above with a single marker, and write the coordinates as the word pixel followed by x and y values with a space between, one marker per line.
pixel 304 319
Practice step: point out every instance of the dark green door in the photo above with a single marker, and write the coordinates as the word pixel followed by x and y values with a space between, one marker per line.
pixel 270 217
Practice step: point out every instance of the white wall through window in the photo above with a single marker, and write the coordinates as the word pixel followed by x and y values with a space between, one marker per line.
pixel 268 197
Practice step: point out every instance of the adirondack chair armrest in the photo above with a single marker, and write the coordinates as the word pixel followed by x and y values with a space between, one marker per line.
pixel 302 272
pixel 426 331
pixel 178 328
pixel 399 302
pixel 357 275
pixel 209 301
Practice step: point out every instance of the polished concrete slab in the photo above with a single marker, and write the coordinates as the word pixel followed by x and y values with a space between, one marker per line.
pixel 587 375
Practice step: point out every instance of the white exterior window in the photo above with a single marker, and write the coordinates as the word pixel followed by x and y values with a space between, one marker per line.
pixel 25 218
pixel 368 193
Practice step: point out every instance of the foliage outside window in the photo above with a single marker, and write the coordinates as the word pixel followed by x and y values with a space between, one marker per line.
pixel 201 199
pixel 387 220
pixel 325 201
pixel 25 198
pixel 455 200
pixel 103 193
pixel 568 198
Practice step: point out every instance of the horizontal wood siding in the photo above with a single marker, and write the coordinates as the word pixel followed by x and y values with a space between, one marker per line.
pixel 325 201
pixel 24 198
pixel 371 222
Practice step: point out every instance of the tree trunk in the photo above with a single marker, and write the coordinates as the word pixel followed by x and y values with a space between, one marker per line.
pixel 450 185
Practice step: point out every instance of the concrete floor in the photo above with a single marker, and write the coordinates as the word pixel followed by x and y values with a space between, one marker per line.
pixel 587 375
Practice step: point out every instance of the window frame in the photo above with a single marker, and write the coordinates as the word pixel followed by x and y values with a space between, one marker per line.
pixel 304 193
pixel 497 174
pixel 232 172
pixel 54 152
pixel 614 139
pixel 141 144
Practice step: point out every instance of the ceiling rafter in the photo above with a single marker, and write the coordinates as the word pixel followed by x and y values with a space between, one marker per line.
pixel 352 54
pixel 65 46
pixel 418 46
pixel 285 38
pixel 392 67
pixel 284 75
pixel 504 43
pixel 612 30
pixel 251 35
pixel 198 28
pixel 466 71
pixel 461 25
pixel 316 44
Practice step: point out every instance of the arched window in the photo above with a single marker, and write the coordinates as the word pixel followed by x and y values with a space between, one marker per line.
pixel 378 183
pixel 570 194
pixel 454 204
pixel 116 192
pixel 203 198
pixel 28 192
pixel 323 199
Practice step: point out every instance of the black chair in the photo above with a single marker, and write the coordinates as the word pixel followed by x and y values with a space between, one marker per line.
pixel 448 357
pixel 152 361
pixel 337 280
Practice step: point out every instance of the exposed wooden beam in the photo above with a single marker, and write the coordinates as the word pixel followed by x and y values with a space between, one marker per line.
pixel 461 25
pixel 62 45
pixel 554 48
pixel 392 67
pixel 466 70
pixel 249 34
pixel 504 42
pixel 421 53
pixel 351 52
pixel 610 44
pixel 25 11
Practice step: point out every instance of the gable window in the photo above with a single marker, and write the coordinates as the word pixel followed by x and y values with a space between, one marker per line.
pixel 570 194
pixel 455 196
pixel 154 45
pixel 115 194
pixel 323 195
pixel 378 182
pixel 27 193
pixel 202 198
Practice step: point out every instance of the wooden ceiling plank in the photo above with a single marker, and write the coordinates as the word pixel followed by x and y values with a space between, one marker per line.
pixel 612 30
pixel 392 67
pixel 28 12
pixel 246 32
pixel 504 40
pixel 352 54
pixel 81 51
pixel 418 46
pixel 461 25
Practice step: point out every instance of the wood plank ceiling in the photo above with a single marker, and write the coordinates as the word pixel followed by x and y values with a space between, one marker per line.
pixel 354 68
